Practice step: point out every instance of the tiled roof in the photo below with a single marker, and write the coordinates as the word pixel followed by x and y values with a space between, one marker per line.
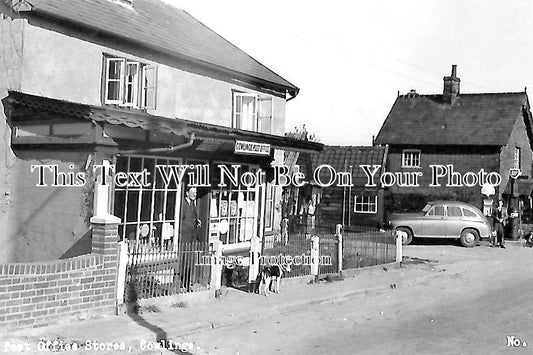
pixel 473 119
pixel 156 25
pixel 138 119
pixel 343 159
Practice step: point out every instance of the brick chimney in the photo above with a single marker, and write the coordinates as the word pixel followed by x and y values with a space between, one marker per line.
pixel 451 86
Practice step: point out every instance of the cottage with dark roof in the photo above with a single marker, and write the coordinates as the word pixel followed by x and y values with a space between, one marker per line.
pixel 456 136
pixel 350 202
pixel 104 101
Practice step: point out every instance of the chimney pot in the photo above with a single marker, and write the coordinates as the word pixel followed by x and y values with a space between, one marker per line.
pixel 454 71
pixel 451 86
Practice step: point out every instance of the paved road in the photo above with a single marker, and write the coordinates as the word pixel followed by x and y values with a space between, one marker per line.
pixel 482 297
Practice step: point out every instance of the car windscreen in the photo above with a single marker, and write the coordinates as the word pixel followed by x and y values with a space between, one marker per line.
pixel 426 208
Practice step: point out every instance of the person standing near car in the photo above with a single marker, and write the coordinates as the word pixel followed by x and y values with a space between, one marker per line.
pixel 500 219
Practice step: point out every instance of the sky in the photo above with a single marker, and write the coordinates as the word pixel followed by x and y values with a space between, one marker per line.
pixel 350 58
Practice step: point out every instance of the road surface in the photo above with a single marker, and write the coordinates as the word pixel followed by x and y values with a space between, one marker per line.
pixel 480 302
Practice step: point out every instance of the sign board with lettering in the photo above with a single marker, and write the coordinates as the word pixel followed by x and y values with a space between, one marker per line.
pixel 251 148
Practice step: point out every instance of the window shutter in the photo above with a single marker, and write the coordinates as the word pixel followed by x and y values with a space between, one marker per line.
pixel 149 87
pixel 265 113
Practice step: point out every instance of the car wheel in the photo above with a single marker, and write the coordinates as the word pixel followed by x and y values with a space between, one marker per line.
pixel 406 234
pixel 469 238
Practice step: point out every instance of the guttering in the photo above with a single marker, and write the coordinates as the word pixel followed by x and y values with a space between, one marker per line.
pixel 293 94
pixel 170 149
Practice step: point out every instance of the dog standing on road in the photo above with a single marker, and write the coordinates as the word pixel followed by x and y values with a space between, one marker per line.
pixel 272 274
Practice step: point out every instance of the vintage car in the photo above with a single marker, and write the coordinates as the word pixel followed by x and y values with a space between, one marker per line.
pixel 443 219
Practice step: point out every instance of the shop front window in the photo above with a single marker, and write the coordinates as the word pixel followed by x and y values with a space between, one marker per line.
pixel 149 210
pixel 234 211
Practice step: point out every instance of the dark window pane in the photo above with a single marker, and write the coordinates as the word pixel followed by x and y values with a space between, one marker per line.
pixel 438 211
pixel 113 90
pixel 454 211
pixel 146 205
pixel 158 206
pixel 133 201
pixel 122 164
pixel 469 213
pixel 120 204
pixel 131 231
pixel 114 69
pixel 171 205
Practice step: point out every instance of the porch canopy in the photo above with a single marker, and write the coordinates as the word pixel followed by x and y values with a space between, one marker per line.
pixel 52 123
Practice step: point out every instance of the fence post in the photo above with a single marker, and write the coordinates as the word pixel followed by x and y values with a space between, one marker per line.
pixel 399 246
pixel 253 271
pixel 338 231
pixel 216 268
pixel 121 277
pixel 285 230
pixel 104 232
pixel 315 256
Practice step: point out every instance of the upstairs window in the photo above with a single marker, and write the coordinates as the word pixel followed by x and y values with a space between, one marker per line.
pixel 129 83
pixel 252 112
pixel 411 158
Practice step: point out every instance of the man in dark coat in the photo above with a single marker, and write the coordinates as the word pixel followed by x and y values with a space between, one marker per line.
pixel 499 218
pixel 190 223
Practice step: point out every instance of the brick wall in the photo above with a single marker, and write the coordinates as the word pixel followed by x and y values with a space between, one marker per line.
pixel 463 158
pixel 37 294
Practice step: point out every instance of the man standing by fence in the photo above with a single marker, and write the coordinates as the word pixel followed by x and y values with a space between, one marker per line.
pixel 189 224
pixel 189 217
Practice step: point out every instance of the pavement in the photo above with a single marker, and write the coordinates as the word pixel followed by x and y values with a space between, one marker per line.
pixel 176 319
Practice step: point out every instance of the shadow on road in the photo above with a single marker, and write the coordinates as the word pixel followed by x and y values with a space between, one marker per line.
pixel 133 310
pixel 161 335
pixel 436 241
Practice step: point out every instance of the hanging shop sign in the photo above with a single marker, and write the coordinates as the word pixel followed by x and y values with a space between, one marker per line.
pixel 515 173
pixel 252 148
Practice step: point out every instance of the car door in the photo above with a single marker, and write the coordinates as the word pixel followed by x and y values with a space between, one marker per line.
pixel 454 221
pixel 434 222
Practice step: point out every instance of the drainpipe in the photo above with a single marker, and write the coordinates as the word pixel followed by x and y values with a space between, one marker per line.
pixel 171 149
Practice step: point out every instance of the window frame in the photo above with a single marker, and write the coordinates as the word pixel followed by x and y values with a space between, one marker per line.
pixel 145 87
pixel 255 122
pixel 152 190
pixel 139 95
pixel 136 82
pixel 368 203
pixel 411 153
pixel 220 193
pixel 263 115
pixel 107 80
